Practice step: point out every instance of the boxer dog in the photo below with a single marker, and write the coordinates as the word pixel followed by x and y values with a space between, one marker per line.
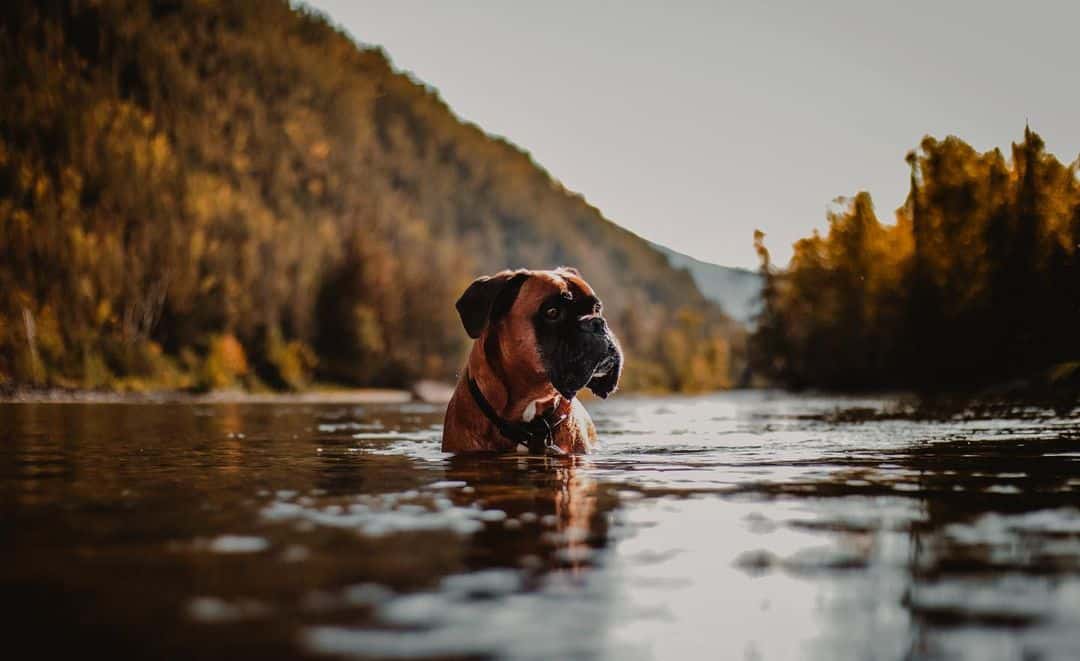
pixel 540 338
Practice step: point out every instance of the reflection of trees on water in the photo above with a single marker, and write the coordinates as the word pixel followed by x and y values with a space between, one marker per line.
pixel 941 530
pixel 963 484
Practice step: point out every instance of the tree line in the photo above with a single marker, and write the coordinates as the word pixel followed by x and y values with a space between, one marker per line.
pixel 977 281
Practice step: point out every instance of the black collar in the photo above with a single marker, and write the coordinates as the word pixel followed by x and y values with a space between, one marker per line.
pixel 538 435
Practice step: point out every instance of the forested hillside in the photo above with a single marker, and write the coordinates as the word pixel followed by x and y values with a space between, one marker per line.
pixel 977 282
pixel 208 194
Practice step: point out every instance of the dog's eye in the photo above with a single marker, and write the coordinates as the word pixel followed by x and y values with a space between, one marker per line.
pixel 552 313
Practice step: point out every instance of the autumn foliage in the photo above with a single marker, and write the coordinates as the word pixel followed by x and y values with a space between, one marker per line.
pixel 976 282
pixel 210 194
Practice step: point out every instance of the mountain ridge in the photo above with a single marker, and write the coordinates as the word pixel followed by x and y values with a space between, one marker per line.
pixel 736 290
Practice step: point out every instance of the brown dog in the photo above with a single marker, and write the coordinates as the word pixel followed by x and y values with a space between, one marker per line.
pixel 540 338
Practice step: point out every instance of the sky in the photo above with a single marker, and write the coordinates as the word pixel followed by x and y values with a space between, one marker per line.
pixel 693 124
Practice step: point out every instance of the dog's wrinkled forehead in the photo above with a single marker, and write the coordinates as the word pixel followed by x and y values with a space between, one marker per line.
pixel 577 285
pixel 543 285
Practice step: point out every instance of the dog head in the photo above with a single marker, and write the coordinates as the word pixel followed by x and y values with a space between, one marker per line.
pixel 543 328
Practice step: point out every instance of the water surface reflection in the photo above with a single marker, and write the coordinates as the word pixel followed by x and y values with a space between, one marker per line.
pixel 743 525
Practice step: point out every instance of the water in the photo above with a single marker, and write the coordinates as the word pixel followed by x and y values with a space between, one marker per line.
pixel 741 525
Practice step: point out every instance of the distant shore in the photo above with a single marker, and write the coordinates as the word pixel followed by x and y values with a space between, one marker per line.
pixel 58 396
pixel 425 391
pixel 1058 387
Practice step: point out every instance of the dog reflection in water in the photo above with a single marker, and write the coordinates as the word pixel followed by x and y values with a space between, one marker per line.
pixel 555 513
pixel 575 507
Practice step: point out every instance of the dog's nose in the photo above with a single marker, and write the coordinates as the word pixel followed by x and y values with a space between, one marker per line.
pixel 592 325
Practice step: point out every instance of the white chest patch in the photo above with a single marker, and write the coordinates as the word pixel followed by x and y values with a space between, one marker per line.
pixel 530 412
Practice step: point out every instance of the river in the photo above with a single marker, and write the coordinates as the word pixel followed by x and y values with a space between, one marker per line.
pixel 742 525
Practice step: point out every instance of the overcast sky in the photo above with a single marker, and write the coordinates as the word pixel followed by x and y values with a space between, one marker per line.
pixel 692 124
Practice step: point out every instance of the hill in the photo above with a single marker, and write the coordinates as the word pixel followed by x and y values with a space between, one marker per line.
pixel 207 194
pixel 737 291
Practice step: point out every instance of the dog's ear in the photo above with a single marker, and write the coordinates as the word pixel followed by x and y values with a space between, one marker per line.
pixel 602 386
pixel 489 298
